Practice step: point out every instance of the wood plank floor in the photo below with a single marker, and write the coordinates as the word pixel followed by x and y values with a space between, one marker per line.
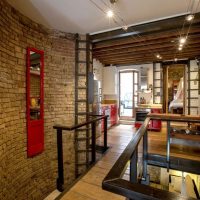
pixel 89 187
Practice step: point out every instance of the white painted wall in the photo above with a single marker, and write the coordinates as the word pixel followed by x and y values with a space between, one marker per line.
pixel 111 78
pixel 98 70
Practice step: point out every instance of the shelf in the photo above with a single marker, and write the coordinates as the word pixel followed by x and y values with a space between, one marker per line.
pixel 36 73
pixel 35 108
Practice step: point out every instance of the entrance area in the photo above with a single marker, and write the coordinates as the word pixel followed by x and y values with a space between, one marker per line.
pixel 128 89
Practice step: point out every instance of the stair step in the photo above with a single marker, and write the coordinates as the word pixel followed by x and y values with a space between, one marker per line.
pixel 81 100
pixel 82 113
pixel 83 74
pixel 83 138
pixel 82 41
pixel 81 88
pixel 82 164
pixel 84 150
pixel 81 61
pixel 81 49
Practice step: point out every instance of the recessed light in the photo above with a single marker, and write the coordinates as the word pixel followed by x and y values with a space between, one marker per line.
pixel 190 17
pixel 182 40
pixel 175 59
pixel 180 45
pixel 180 48
pixel 110 14
pixel 158 56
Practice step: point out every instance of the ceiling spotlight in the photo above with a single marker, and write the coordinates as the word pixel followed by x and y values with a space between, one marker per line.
pixel 110 14
pixel 180 48
pixel 157 56
pixel 125 28
pixel 180 45
pixel 190 17
pixel 175 59
pixel 182 40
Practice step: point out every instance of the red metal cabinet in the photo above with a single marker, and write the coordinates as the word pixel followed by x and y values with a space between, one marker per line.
pixel 111 111
pixel 113 116
pixel 155 125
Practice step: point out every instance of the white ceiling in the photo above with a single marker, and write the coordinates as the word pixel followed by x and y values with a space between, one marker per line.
pixel 82 16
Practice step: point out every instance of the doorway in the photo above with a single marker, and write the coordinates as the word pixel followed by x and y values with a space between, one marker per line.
pixel 174 88
pixel 128 90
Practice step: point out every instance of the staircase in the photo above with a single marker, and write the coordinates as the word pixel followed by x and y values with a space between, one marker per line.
pixel 82 136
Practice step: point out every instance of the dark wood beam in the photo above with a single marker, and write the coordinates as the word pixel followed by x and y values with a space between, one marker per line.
pixel 147 59
pixel 151 27
pixel 158 48
pixel 192 39
pixel 148 37
pixel 149 53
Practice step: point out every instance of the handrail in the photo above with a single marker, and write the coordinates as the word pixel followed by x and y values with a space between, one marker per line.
pixel 60 128
pixel 76 126
pixel 113 182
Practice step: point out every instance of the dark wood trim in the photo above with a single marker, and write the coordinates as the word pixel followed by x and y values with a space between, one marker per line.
pixel 175 163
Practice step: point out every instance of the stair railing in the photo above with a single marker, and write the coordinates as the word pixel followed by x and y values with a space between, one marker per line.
pixel 139 189
pixel 60 128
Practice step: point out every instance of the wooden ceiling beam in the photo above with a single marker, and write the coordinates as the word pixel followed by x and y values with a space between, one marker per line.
pixel 151 58
pixel 161 51
pixel 145 38
pixel 170 40
pixel 151 27
pixel 153 48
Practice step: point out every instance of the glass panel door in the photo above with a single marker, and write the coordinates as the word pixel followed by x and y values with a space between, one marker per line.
pixel 128 93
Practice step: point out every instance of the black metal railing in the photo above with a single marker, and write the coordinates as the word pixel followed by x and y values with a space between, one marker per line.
pixel 139 188
pixel 61 128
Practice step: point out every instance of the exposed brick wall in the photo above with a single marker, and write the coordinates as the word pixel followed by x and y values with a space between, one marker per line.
pixel 22 177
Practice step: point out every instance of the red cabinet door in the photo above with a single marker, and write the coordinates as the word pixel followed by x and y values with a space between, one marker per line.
pixel 113 114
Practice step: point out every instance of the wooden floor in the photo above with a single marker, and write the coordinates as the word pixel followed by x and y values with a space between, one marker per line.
pixel 89 187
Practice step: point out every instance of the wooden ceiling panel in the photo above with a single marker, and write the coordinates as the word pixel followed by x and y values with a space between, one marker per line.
pixel 143 48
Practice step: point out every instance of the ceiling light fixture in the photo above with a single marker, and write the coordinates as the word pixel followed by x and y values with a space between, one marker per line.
pixel 180 45
pixel 157 56
pixel 125 28
pixel 180 48
pixel 182 40
pixel 175 59
pixel 110 14
pixel 190 18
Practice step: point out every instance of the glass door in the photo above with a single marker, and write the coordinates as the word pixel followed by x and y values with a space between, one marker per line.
pixel 128 93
